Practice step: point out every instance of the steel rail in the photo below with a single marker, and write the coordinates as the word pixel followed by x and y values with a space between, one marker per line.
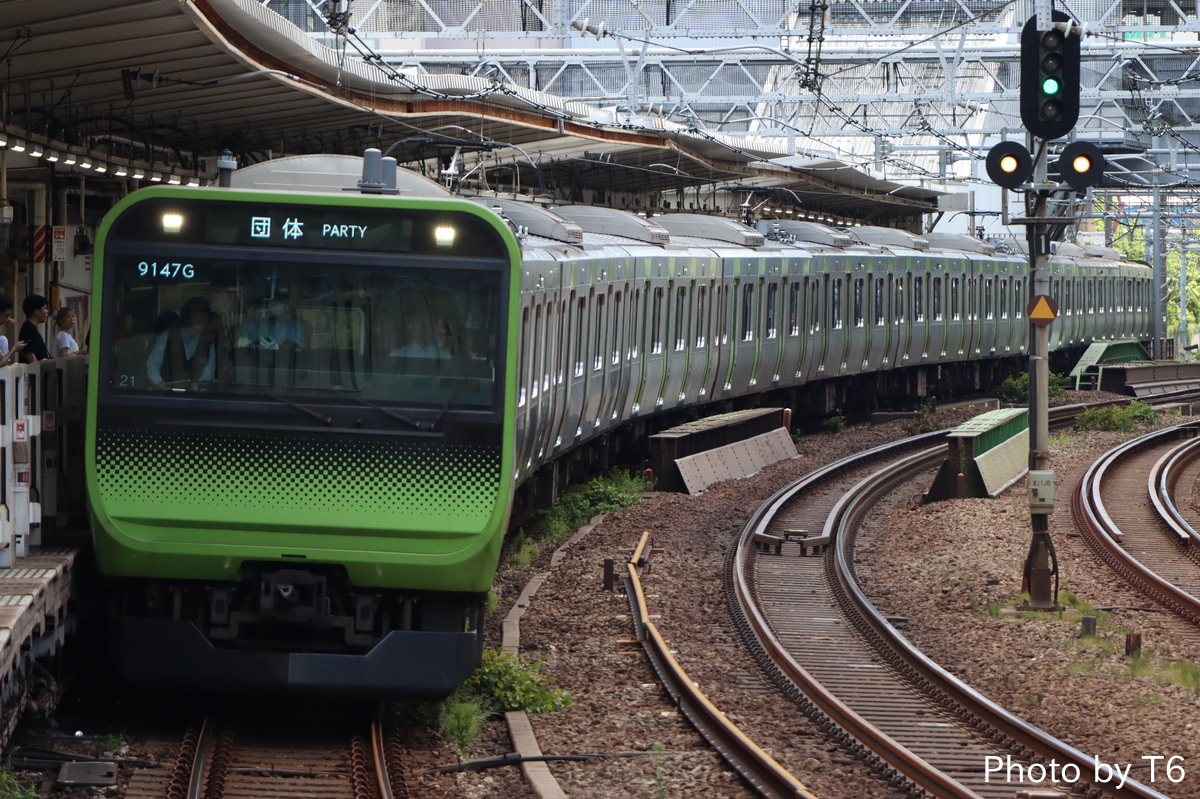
pixel 757 767
pixel 204 747
pixel 1161 484
pixel 1104 537
pixel 910 659
pixel 941 685
pixel 383 777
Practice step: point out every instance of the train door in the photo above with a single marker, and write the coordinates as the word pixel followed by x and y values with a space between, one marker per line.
pixel 634 332
pixel 595 397
pixel 856 329
pixel 675 342
pixel 972 334
pixel 698 386
pixel 987 311
pixel 918 332
pixel 653 356
pixel 875 324
pixel 770 349
pixel 813 304
pixel 935 344
pixel 896 299
pixel 835 323
pixel 616 369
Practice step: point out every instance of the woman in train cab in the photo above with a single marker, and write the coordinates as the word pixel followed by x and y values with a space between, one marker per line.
pixel 184 353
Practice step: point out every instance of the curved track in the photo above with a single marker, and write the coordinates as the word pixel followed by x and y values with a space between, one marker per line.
pixel 832 649
pixel 1144 537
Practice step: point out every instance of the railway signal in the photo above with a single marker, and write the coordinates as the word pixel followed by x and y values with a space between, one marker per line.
pixel 1009 164
pixel 1049 77
pixel 1081 164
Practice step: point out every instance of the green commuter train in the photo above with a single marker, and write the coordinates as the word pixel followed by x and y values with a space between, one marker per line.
pixel 313 410
pixel 285 489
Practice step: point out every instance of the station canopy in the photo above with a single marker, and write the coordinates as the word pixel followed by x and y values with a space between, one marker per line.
pixel 158 88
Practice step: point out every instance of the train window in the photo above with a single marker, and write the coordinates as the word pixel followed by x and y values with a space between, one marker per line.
pixel 814 306
pixel 836 304
pixel 772 301
pixel 1018 303
pixel 598 347
pixel 973 298
pixel 681 320
pixel 701 317
pixel 1112 294
pixel 878 302
pixel 526 367
pixel 955 302
pixel 635 315
pixel 988 288
pixel 616 329
pixel 898 311
pixel 918 299
pixel 747 329
pixel 1068 299
pixel 722 312
pixel 937 299
pixel 858 302
pixel 794 309
pixel 656 321
pixel 540 376
pixel 580 324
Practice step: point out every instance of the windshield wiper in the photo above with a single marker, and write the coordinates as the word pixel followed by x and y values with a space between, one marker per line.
pixel 326 420
pixel 399 417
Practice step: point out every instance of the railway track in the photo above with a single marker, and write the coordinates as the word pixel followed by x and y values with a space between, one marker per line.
pixel 842 661
pixel 833 651
pixel 250 759
pixel 1144 537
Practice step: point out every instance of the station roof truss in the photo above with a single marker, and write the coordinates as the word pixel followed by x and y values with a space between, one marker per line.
pixel 160 87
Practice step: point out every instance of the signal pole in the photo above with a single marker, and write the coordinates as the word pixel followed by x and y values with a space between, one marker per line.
pixel 1050 74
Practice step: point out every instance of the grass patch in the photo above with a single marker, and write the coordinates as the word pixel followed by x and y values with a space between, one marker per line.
pixel 10 788
pixel 461 717
pixel 1016 389
pixel 492 602
pixel 1080 667
pixel 993 610
pixel 1117 419
pixel 579 504
pixel 1140 664
pixel 523 550
pixel 1183 673
pixel 835 423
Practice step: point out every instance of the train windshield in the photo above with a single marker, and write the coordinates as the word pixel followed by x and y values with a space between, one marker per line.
pixel 307 327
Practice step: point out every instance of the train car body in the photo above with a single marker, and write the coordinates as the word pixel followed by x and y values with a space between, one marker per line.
pixel 290 485
pixel 285 495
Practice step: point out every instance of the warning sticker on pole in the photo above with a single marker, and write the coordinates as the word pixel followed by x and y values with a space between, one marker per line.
pixel 1041 310
pixel 58 249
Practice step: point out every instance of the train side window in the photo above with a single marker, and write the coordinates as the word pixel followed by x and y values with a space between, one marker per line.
pixel 681 320
pixel 616 329
pixel 722 336
pixel 547 350
pixel 635 314
pixel 955 301
pixel 598 347
pixel 898 309
pixel 988 289
pixel 540 377
pixel 526 367
pixel 794 309
pixel 1018 303
pixel 937 299
pixel 580 323
pixel 701 317
pixel 814 306
pixel 772 302
pixel 918 299
pixel 656 321
pixel 858 302
pixel 878 302
pixel 747 312
pixel 836 304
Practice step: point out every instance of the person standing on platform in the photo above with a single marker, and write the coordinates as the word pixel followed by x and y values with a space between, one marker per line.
pixel 65 343
pixel 8 354
pixel 37 311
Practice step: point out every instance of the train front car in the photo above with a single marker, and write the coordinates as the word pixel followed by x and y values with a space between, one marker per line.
pixel 300 446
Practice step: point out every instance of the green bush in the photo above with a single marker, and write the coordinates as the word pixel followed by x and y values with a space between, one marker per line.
pixel 510 683
pixel 580 503
pixel 835 423
pixel 1117 419
pixel 1016 388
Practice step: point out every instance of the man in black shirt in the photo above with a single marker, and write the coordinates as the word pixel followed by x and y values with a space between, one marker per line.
pixel 37 311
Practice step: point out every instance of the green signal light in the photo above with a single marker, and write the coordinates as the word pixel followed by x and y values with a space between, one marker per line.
pixel 1051 86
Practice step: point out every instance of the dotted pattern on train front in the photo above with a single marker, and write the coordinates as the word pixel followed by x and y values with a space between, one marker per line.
pixel 297 474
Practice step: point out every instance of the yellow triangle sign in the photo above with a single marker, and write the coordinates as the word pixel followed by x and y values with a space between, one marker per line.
pixel 1042 310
